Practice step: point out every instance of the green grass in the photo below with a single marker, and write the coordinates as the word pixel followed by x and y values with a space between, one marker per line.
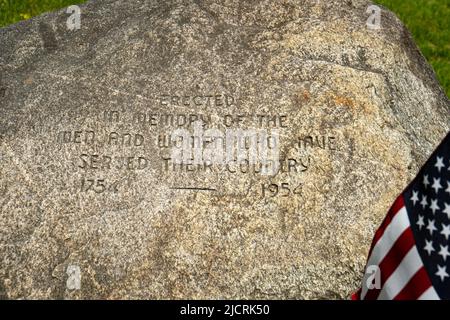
pixel 428 20
pixel 12 11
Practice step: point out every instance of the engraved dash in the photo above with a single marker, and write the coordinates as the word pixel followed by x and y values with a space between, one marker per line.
pixel 193 188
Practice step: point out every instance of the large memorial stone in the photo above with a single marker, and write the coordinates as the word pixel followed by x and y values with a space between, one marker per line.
pixel 93 203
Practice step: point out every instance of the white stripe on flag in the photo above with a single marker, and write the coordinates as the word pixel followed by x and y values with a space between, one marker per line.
pixel 410 264
pixel 398 224
pixel 429 294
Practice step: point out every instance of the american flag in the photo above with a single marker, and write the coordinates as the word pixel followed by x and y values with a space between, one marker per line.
pixel 410 257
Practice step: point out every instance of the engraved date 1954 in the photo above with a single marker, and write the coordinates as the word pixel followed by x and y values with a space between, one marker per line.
pixel 98 185
pixel 280 189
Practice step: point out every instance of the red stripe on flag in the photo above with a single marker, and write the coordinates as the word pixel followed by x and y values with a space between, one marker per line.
pixel 391 261
pixel 356 295
pixel 418 284
pixel 396 207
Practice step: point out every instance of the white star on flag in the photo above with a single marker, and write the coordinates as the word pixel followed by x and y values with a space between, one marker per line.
pixel 447 209
pixel 420 222
pixel 424 202
pixel 442 273
pixel 444 252
pixel 434 205
pixel 439 163
pixel 436 185
pixel 429 247
pixel 415 197
pixel 445 231
pixel 426 182
pixel 431 227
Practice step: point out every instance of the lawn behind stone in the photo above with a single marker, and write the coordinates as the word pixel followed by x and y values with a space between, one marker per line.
pixel 429 22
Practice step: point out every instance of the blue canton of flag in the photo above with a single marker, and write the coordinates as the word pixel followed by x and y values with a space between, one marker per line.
pixel 427 201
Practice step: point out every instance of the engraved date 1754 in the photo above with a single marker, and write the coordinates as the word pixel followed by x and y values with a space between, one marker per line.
pixel 98 185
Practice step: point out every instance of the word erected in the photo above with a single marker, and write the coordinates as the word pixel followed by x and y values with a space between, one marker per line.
pixel 96 161
pixel 217 100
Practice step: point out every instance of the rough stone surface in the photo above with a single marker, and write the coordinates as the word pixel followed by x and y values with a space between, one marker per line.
pixel 312 66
